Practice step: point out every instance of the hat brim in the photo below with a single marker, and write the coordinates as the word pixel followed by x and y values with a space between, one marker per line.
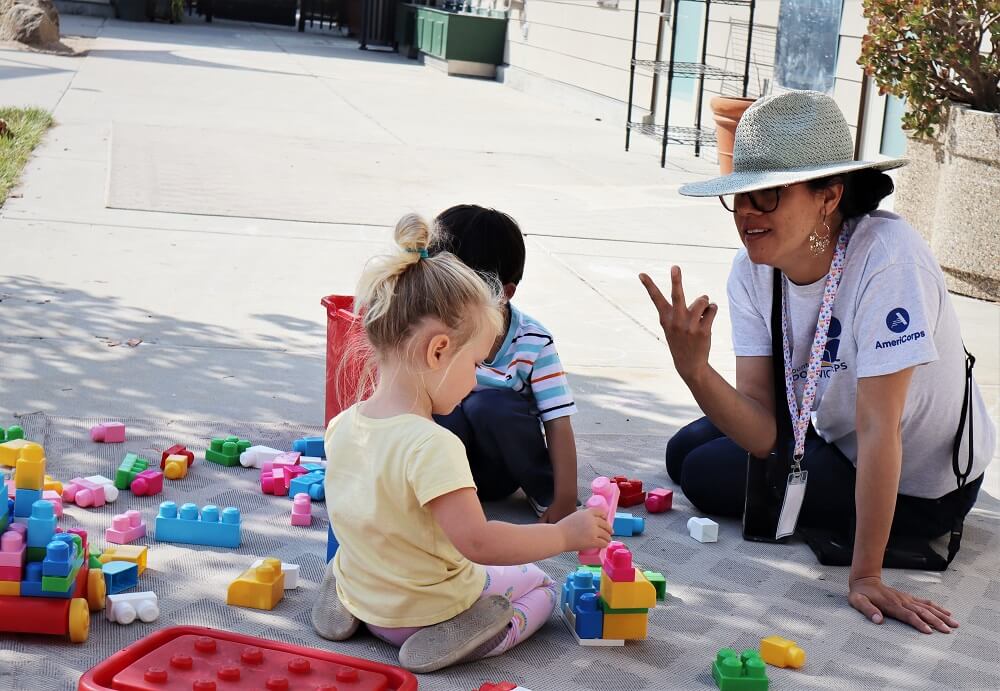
pixel 748 181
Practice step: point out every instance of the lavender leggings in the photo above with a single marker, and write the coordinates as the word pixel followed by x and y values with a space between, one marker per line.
pixel 532 594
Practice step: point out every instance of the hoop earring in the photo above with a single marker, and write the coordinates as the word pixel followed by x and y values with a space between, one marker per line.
pixel 818 244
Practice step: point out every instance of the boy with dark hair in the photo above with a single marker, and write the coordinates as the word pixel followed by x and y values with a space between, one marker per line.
pixel 516 423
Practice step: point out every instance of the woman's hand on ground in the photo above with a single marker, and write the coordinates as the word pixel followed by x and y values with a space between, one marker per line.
pixel 558 510
pixel 585 529
pixel 687 328
pixel 875 599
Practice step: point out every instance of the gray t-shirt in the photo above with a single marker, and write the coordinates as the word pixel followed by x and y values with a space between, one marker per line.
pixel 892 312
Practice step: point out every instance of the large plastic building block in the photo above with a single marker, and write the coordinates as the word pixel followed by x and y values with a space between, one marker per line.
pixel 131 553
pixel 212 527
pixel 302 510
pixel 604 496
pixel 658 582
pixel 589 617
pixel 177 450
pixel 630 491
pixel 659 500
pixel 130 466
pixel 148 483
pixel 11 433
pixel 627 525
pixel 55 499
pixel 29 469
pixel 84 493
pixel 108 432
pixel 31 585
pixel 11 450
pixel 578 584
pixel 289 571
pixel 12 544
pixel 745 672
pixel 226 450
pixel 618 566
pixel 260 587
pixel 255 456
pixel 636 594
pixel 52 484
pixel 46 616
pixel 570 620
pixel 703 529
pixel 126 527
pixel 311 484
pixel 331 543
pixel 124 608
pixel 277 480
pixel 120 575
pixel 41 524
pixel 10 589
pixel 58 559
pixel 11 573
pixel 627 627
pixel 24 499
pixel 180 657
pixel 110 491
pixel 175 467
pixel 310 446
pixel 781 652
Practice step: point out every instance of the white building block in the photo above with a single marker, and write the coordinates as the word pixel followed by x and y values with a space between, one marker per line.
pixel 124 607
pixel 256 456
pixel 110 491
pixel 703 529
pixel 291 572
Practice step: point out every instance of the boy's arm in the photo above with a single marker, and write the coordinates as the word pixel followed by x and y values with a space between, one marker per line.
pixel 562 453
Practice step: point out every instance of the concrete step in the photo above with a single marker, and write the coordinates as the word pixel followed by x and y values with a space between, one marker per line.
pixel 90 8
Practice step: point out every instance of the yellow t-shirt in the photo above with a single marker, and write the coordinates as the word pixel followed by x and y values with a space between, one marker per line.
pixel 395 566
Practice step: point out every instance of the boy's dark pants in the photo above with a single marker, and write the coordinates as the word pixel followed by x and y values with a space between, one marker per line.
pixel 505 444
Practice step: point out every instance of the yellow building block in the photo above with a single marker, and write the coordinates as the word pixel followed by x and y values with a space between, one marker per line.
pixel 52 485
pixel 625 627
pixel 12 588
pixel 175 467
pixel 781 652
pixel 131 553
pixel 29 472
pixel 638 594
pixel 260 587
pixel 11 450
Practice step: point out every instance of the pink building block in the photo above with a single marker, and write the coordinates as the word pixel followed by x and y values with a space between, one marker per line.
pixel 618 564
pixel 302 509
pixel 11 573
pixel 276 478
pixel 125 528
pixel 592 557
pixel 147 483
pixel 659 500
pixel 607 490
pixel 108 432
pixel 55 499
pixel 288 458
pixel 84 493
pixel 12 550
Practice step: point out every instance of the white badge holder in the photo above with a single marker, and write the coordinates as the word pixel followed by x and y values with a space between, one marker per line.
pixel 795 492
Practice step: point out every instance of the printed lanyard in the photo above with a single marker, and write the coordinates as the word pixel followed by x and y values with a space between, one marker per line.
pixel 801 416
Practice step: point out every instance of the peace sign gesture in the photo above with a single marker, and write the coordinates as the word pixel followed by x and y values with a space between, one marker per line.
pixel 687 328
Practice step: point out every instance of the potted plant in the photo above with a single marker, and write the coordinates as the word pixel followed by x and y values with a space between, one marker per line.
pixel 943 57
pixel 727 111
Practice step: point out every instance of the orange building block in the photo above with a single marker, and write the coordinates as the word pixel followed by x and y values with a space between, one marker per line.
pixel 131 553
pixel 637 594
pixel 781 652
pixel 625 627
pixel 260 587
pixel 175 467
pixel 10 588
pixel 29 470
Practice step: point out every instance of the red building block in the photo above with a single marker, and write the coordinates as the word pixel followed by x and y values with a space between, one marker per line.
pixel 631 493
pixel 147 483
pixel 177 658
pixel 659 500
pixel 177 450
pixel 618 565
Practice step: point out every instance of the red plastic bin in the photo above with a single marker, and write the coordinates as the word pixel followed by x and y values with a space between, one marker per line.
pixel 346 352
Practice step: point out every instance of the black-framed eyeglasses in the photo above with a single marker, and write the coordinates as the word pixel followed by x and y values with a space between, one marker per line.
pixel 765 201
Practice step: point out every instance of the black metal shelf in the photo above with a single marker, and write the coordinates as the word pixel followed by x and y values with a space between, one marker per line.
pixel 687 69
pixel 677 134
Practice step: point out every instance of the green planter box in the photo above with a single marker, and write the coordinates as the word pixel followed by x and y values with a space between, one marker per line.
pixel 470 44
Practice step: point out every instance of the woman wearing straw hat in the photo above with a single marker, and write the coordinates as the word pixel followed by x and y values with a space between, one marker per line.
pixel 841 317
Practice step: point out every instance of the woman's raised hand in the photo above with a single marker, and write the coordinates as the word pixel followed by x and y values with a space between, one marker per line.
pixel 687 328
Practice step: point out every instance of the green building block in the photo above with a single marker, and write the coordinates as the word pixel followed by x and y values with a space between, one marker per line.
pixel 226 451
pixel 11 433
pixel 131 466
pixel 609 610
pixel 659 583
pixel 34 554
pixel 745 672
pixel 94 562
pixel 596 570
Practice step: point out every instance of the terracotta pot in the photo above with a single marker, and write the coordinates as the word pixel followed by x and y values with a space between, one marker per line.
pixel 727 111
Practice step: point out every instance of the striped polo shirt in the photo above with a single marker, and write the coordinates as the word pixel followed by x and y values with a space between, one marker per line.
pixel 528 363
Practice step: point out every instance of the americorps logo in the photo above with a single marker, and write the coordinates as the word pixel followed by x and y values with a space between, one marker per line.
pixel 831 360
pixel 898 320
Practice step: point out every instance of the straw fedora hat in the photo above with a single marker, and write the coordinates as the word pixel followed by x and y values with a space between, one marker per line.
pixel 787 138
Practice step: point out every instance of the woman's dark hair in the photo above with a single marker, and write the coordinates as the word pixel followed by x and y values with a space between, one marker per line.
pixel 864 190
pixel 486 240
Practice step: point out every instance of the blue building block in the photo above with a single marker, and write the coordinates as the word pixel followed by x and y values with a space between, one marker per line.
pixel 31 586
pixel 589 617
pixel 627 525
pixel 6 515
pixel 310 446
pixel 311 484
pixel 23 501
pixel 58 556
pixel 331 543
pixel 578 584
pixel 314 467
pixel 212 528
pixel 120 576
pixel 41 524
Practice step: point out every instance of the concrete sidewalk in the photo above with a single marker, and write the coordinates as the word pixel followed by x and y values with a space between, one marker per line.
pixel 332 145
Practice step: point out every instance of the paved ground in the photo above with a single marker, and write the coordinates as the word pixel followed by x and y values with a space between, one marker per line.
pixel 226 304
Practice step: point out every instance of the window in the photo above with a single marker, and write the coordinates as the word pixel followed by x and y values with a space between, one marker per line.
pixel 893 138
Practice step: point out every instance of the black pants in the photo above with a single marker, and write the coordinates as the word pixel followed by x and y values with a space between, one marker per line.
pixel 711 470
pixel 505 444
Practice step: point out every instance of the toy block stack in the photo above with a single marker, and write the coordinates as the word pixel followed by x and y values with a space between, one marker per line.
pixel 212 527
pixel 259 587
pixel 175 462
pixel 226 450
pixel 604 497
pixel 276 475
pixel 29 478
